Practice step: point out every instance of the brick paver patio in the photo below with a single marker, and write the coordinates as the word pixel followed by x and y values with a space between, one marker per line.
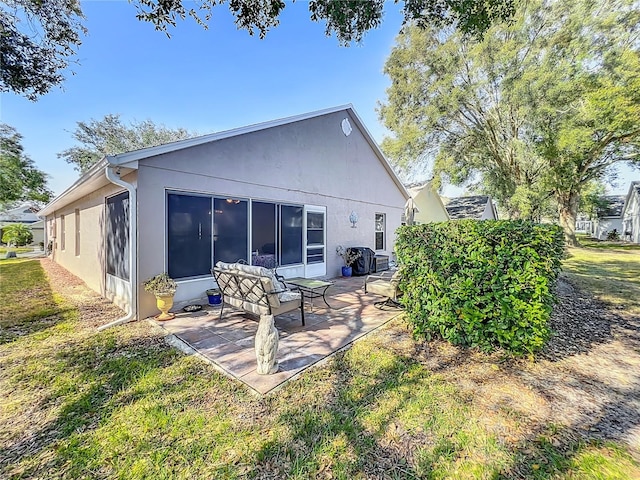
pixel 228 343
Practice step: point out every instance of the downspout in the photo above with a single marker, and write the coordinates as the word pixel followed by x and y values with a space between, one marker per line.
pixel 113 175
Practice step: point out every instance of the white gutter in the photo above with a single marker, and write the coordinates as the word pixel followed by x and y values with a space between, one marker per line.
pixel 113 175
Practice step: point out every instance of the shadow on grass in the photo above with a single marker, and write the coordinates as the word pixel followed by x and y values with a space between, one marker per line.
pixel 24 308
pixel 86 374
pixel 330 440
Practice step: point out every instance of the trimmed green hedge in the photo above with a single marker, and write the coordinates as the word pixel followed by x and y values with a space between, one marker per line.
pixel 484 284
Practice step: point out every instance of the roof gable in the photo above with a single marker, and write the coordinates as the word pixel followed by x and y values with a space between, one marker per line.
pixel 94 178
pixel 634 192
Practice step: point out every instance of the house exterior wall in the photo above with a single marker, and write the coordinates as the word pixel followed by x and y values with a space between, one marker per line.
pixel 631 220
pixel 310 162
pixel 604 225
pixel 430 208
pixel 87 262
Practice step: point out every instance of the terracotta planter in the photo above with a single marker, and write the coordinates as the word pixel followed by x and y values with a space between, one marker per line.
pixel 164 304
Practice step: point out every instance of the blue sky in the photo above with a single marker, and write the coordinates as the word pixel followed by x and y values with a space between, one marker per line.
pixel 205 80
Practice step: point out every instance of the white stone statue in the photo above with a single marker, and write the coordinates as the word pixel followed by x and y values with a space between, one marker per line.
pixel 266 345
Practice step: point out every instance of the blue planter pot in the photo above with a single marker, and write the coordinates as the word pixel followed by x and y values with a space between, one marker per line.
pixel 347 271
pixel 215 298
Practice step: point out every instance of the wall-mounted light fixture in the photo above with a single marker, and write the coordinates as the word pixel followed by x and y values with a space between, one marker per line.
pixel 353 218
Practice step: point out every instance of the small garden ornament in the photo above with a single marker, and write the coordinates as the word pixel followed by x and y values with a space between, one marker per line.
pixel 163 287
pixel 266 345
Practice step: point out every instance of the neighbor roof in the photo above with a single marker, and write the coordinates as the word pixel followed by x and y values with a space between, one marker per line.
pixel 612 206
pixel 466 207
pixel 94 178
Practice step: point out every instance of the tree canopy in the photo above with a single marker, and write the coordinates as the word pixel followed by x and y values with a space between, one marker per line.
pixel 534 111
pixel 38 40
pixel 110 136
pixel 349 20
pixel 20 179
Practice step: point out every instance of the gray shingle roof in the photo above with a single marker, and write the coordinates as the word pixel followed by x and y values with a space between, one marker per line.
pixel 612 206
pixel 466 207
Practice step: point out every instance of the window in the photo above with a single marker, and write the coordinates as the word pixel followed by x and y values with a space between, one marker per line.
pixel 77 225
pixel 117 235
pixel 62 233
pixel 380 228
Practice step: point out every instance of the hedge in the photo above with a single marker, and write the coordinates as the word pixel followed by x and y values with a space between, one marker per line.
pixel 484 284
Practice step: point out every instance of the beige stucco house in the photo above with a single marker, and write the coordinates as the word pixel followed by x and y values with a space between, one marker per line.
pixel 428 204
pixel 281 191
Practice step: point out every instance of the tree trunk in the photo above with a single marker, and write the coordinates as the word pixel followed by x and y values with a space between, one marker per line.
pixel 568 210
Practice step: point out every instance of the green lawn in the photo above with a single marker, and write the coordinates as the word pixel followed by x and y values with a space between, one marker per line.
pixel 122 404
pixel 610 270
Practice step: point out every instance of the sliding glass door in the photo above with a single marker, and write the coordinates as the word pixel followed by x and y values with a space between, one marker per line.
pixel 188 235
pixel 203 230
pixel 231 230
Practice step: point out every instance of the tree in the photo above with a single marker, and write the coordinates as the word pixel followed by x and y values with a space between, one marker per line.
pixel 535 110
pixel 110 136
pixel 37 42
pixel 19 177
pixel 16 234
pixel 349 20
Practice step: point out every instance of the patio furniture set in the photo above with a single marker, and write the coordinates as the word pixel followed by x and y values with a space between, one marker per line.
pixel 261 291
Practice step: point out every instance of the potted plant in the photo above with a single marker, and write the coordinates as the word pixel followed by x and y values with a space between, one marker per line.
pixel 163 287
pixel 348 257
pixel 214 296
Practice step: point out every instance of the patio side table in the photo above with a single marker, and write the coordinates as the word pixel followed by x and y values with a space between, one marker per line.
pixel 311 288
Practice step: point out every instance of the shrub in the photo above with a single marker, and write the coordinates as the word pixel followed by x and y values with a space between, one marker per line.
pixel 16 234
pixel 485 284
pixel 613 235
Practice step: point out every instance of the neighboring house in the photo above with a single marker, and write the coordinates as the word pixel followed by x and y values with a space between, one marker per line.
pixel 609 217
pixel 428 206
pixel 476 207
pixel 37 229
pixel 631 214
pixel 284 191
pixel 25 213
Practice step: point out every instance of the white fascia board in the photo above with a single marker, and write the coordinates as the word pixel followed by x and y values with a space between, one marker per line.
pixel 70 193
pixel 127 158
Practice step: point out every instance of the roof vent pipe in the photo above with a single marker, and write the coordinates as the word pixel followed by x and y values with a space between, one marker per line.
pixel 114 177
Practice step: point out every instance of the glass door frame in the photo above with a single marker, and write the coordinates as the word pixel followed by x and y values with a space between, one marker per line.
pixel 314 269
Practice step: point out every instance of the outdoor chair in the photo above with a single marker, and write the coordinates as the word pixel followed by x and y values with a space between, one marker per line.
pixel 387 285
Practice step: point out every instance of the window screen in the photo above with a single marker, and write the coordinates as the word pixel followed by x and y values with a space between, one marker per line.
pixel 117 235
